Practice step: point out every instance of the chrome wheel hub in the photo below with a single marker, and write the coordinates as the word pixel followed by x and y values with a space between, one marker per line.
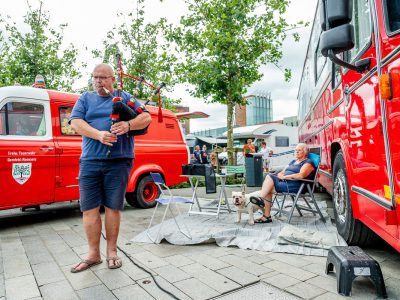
pixel 339 196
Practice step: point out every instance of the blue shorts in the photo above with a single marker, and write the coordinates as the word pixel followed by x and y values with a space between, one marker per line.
pixel 103 182
pixel 283 186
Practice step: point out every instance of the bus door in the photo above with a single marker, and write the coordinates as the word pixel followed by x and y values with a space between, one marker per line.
pixel 68 144
pixel 366 141
pixel 27 153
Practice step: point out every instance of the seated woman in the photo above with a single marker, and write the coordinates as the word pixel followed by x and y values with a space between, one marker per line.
pixel 285 181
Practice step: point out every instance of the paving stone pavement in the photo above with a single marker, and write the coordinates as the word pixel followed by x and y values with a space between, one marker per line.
pixel 37 250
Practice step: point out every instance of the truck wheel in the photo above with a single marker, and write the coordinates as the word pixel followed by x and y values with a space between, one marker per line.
pixel 145 194
pixel 353 231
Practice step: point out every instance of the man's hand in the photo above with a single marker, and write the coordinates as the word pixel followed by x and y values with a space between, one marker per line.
pixel 107 138
pixel 120 128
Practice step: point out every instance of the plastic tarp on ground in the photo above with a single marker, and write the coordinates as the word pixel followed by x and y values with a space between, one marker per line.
pixel 306 235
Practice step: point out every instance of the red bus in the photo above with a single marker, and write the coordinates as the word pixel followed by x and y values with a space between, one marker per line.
pixel 349 112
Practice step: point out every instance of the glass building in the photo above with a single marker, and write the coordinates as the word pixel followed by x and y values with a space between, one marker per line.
pixel 258 109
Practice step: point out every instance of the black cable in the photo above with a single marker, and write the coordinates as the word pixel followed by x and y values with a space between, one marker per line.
pixel 140 267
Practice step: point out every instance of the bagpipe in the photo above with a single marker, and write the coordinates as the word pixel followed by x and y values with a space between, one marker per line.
pixel 125 112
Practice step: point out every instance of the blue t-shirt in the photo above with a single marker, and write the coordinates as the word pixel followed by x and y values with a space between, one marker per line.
pixel 96 111
pixel 197 156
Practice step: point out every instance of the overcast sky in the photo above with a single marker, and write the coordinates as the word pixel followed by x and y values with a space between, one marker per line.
pixel 89 21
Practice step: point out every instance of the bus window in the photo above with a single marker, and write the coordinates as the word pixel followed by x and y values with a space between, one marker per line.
pixel 3 129
pixel 393 15
pixel 362 28
pixel 336 77
pixel 281 141
pixel 320 61
pixel 66 129
pixel 22 119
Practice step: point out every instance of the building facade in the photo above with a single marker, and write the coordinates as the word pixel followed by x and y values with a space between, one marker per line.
pixel 291 121
pixel 257 111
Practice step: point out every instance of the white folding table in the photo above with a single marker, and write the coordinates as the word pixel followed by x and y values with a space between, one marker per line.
pixel 222 197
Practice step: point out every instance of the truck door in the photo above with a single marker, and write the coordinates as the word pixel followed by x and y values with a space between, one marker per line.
pixel 27 153
pixel 68 145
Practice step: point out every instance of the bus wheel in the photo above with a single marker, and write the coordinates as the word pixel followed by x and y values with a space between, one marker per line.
pixel 353 231
pixel 145 194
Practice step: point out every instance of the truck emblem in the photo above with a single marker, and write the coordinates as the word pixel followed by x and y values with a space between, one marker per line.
pixel 21 172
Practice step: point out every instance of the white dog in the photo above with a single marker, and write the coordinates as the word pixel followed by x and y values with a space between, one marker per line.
pixel 243 205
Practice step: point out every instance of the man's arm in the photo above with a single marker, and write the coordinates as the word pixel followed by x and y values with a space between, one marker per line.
pixel 83 128
pixel 141 121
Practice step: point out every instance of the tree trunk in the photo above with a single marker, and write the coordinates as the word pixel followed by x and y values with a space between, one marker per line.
pixel 230 106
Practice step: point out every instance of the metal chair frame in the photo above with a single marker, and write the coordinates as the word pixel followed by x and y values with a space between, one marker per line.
pixel 166 198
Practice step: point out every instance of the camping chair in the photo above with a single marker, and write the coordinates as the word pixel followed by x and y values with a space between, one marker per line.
pixel 237 170
pixel 166 198
pixel 306 193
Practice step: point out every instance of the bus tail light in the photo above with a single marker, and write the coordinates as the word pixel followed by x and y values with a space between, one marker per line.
pixel 389 85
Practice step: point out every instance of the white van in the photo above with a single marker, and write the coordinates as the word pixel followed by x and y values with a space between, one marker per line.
pixel 282 139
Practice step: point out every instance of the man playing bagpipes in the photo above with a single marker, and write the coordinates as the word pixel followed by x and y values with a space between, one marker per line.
pixel 106 160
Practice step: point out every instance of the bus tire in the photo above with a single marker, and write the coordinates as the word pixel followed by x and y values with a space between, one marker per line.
pixel 353 231
pixel 145 194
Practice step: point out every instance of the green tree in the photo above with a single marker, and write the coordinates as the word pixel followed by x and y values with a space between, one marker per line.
pixel 224 42
pixel 4 48
pixel 36 51
pixel 144 52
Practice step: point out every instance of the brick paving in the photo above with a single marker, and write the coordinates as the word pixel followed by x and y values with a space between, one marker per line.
pixel 37 250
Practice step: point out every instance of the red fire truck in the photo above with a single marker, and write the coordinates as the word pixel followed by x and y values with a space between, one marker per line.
pixel 39 151
pixel 349 109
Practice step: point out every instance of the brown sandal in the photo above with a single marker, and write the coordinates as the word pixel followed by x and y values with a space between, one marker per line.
pixel 117 262
pixel 87 262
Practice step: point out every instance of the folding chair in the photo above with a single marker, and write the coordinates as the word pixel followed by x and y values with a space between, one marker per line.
pixel 166 198
pixel 237 170
pixel 305 192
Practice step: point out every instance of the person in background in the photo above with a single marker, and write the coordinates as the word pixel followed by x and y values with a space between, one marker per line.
pixel 266 153
pixel 204 155
pixel 213 158
pixel 197 155
pixel 249 148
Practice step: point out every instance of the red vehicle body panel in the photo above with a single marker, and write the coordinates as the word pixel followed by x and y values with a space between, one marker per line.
pixel 54 158
pixel 353 124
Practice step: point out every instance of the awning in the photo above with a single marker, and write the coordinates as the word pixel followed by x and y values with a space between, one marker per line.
pixel 211 140
pixel 191 115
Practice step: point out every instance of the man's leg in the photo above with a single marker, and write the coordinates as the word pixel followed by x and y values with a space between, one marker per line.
pixel 112 222
pixel 92 226
pixel 115 183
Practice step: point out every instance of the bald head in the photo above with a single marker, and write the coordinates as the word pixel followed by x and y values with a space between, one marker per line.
pixel 103 77
pixel 104 67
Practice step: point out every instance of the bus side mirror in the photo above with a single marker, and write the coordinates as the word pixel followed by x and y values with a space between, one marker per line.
pixel 337 12
pixel 338 34
pixel 337 39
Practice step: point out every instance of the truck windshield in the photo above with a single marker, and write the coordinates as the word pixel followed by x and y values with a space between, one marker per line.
pixel 393 14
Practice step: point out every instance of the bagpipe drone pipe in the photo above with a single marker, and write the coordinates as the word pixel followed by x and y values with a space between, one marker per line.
pixel 125 112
